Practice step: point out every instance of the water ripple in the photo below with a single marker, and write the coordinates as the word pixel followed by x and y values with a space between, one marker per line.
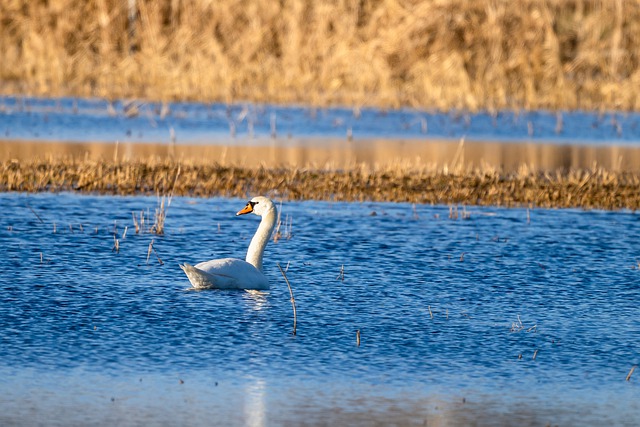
pixel 492 302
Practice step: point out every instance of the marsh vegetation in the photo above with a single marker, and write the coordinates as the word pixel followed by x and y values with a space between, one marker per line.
pixel 488 55
pixel 585 188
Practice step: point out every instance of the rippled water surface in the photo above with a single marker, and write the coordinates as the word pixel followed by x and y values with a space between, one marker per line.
pixel 498 317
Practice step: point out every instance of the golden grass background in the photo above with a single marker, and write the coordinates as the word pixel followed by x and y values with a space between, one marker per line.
pixel 485 54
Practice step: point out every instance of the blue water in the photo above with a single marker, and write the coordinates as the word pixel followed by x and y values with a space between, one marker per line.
pixel 450 312
pixel 97 120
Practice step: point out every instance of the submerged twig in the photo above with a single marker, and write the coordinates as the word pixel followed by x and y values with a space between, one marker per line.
pixel 152 248
pixel 149 251
pixel 158 256
pixel 37 216
pixel 135 223
pixel 293 300
pixel 517 326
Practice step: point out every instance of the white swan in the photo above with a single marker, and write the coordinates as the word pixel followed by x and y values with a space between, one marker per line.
pixel 233 273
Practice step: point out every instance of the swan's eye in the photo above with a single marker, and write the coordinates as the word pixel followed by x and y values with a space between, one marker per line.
pixel 252 204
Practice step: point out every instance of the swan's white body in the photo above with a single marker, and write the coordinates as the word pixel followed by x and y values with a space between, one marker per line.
pixel 233 273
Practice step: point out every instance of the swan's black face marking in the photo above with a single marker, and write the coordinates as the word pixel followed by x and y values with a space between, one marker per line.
pixel 248 208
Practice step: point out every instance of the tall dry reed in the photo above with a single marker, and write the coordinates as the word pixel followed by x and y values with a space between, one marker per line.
pixel 487 54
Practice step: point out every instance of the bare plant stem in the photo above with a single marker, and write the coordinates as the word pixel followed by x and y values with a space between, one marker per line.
pixel 135 223
pixel 293 300
pixel 276 233
pixel 37 216
pixel 158 256
pixel 149 251
pixel 161 211
pixel 633 368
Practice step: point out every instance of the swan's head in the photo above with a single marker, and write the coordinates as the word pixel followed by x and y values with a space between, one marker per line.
pixel 259 205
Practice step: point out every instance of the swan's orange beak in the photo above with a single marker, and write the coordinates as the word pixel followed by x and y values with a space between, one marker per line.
pixel 247 209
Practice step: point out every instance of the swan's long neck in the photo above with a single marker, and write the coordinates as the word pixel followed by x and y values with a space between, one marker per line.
pixel 261 238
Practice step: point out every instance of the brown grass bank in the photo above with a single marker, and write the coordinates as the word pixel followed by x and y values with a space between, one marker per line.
pixel 485 54
pixel 597 188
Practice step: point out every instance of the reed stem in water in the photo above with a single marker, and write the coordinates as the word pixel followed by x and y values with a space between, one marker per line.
pixel 293 300
pixel 633 368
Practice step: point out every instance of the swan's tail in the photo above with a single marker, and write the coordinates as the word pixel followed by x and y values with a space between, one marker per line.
pixel 198 278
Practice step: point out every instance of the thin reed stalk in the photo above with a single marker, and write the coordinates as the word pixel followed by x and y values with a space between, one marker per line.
pixel 293 300
pixel 633 368
pixel 161 210
pixel 149 251
pixel 36 214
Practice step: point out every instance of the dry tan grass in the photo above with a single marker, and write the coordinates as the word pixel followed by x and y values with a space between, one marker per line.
pixel 586 188
pixel 488 54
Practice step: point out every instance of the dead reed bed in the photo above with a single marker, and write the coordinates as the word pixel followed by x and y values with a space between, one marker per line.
pixel 584 188
pixel 487 54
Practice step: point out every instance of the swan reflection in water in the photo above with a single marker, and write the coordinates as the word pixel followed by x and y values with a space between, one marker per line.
pixel 257 299
pixel 254 405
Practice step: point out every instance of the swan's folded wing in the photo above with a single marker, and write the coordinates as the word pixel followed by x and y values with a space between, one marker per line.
pixel 199 279
pixel 227 273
